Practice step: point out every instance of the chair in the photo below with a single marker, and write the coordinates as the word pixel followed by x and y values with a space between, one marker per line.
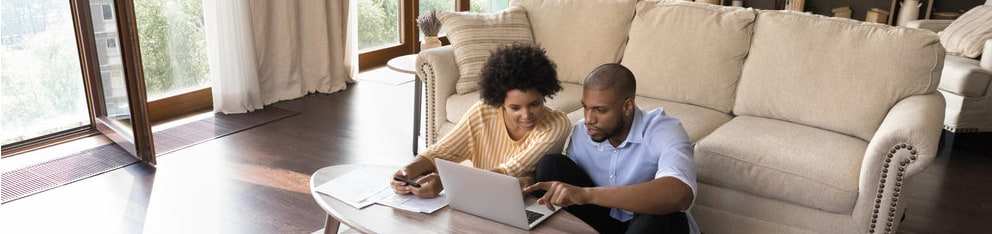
pixel 966 84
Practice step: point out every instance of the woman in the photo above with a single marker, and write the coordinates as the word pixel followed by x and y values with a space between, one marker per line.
pixel 507 131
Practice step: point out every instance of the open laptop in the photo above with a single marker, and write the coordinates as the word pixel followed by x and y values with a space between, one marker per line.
pixel 489 195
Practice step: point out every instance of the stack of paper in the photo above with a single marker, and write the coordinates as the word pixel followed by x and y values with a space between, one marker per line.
pixel 369 185
pixel 357 186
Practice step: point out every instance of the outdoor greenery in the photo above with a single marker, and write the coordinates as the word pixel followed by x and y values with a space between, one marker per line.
pixel 42 83
pixel 173 45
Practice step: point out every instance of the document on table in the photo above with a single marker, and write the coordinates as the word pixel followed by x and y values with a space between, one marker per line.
pixel 365 186
pixel 357 186
pixel 410 202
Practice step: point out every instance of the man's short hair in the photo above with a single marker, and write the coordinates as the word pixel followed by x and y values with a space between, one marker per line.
pixel 612 76
pixel 518 66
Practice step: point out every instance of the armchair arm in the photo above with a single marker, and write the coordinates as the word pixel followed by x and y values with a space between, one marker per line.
pixel 986 62
pixel 932 25
pixel 905 144
pixel 437 69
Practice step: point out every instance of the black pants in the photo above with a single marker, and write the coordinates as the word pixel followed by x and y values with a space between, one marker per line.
pixel 557 167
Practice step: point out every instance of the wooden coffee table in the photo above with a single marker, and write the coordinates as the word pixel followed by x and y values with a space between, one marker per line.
pixel 382 219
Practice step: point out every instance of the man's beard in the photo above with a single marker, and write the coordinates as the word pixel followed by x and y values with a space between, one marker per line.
pixel 608 133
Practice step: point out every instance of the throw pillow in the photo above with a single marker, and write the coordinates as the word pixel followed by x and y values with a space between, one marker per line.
pixel 475 36
pixel 967 35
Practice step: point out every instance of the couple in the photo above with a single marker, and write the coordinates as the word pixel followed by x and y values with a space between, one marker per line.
pixel 626 170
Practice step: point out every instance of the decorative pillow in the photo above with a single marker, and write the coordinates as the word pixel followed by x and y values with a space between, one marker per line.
pixel 579 35
pixel 967 35
pixel 475 36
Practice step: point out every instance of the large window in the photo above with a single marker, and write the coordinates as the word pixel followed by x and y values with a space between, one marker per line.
pixel 378 24
pixel 43 88
pixel 173 46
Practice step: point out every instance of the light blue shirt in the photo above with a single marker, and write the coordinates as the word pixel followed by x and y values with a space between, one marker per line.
pixel 657 146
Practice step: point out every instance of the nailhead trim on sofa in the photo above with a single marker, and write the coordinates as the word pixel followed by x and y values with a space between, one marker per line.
pixel 898 185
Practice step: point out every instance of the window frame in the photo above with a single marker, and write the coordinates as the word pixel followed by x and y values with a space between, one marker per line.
pixel 409 36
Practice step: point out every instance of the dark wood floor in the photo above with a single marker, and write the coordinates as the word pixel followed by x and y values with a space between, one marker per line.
pixel 256 181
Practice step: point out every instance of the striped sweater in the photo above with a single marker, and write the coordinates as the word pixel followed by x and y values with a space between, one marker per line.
pixel 481 136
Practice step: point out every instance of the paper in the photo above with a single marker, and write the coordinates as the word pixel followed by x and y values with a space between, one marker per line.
pixel 365 186
pixel 357 186
pixel 410 202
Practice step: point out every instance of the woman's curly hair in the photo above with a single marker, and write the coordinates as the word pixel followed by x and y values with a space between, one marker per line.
pixel 518 66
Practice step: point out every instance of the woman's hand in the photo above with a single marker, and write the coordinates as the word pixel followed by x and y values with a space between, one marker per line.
pixel 430 186
pixel 400 187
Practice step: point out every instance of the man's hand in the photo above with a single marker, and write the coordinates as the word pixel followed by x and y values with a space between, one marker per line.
pixel 430 186
pixel 560 194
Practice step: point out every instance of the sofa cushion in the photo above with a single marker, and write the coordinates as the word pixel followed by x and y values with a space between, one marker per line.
pixel 697 121
pixel 567 100
pixel 780 160
pixel 579 35
pixel 967 34
pixel 835 74
pixel 689 52
pixel 963 76
pixel 475 36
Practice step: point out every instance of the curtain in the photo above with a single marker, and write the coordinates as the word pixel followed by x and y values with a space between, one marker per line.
pixel 233 71
pixel 303 46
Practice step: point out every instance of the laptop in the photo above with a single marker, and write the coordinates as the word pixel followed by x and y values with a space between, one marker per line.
pixel 489 195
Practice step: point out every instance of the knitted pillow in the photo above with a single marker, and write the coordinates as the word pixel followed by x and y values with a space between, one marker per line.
pixel 475 36
pixel 966 35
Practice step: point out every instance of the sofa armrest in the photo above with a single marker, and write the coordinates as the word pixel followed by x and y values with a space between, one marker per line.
pixel 932 25
pixel 986 62
pixel 437 69
pixel 903 146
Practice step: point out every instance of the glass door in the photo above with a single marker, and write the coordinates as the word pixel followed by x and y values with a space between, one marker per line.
pixel 118 91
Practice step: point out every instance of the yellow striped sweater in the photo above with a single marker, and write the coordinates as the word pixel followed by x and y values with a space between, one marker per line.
pixel 482 137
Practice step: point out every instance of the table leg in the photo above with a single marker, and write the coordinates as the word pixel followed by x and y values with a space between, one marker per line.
pixel 331 225
pixel 417 93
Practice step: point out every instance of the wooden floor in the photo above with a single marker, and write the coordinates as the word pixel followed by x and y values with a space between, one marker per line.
pixel 255 181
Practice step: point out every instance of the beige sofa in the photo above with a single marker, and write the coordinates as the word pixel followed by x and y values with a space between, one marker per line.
pixel 801 123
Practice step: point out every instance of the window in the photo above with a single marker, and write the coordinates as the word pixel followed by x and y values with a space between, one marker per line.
pixel 378 24
pixel 112 46
pixel 173 46
pixel 108 12
pixel 43 90
pixel 488 6
pixel 438 5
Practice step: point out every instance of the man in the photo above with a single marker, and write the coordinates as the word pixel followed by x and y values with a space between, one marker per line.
pixel 627 170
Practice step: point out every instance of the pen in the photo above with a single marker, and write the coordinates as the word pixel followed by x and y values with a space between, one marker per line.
pixel 407 181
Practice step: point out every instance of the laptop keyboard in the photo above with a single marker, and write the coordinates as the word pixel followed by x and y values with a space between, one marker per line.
pixel 532 216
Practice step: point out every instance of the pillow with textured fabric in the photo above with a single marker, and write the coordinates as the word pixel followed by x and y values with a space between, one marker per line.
pixel 967 35
pixel 475 36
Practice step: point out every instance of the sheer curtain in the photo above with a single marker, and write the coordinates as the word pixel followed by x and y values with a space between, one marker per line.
pixel 264 51
pixel 231 52
pixel 303 46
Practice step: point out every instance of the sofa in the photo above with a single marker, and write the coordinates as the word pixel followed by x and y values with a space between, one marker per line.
pixel 801 123
pixel 966 84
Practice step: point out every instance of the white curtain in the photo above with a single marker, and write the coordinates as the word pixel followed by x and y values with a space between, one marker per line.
pixel 230 49
pixel 303 46
pixel 264 51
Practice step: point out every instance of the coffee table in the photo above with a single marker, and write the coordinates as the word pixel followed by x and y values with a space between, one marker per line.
pixel 382 219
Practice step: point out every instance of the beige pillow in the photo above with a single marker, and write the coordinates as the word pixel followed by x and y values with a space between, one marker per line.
pixel 579 35
pixel 689 52
pixel 475 36
pixel 967 35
